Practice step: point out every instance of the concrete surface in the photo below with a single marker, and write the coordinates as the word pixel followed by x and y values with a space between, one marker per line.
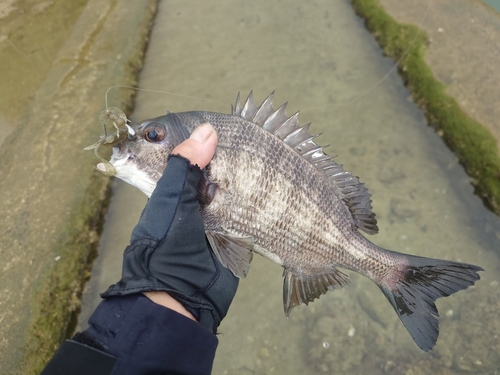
pixel 463 53
pixel 51 197
pixel 31 34
pixel 473 143
pixel 318 56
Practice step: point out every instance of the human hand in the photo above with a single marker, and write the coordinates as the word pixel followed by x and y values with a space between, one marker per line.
pixel 199 150
pixel 169 251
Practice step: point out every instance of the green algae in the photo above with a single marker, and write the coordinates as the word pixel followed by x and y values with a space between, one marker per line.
pixel 58 296
pixel 473 144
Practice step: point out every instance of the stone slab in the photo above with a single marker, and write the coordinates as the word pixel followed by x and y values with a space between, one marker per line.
pixel 51 197
pixel 463 52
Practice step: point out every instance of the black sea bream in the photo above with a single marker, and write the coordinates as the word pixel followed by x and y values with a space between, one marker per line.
pixel 270 189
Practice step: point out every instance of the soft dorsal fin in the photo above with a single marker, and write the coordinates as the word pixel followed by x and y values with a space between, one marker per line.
pixel 352 192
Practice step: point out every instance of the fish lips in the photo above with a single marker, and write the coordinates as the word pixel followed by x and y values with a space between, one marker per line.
pixel 125 168
pixel 121 155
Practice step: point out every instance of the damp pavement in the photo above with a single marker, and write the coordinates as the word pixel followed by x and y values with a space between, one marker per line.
pixel 463 51
pixel 52 201
pixel 62 56
pixel 422 197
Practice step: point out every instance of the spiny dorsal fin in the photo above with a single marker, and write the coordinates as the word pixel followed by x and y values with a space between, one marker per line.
pixel 352 192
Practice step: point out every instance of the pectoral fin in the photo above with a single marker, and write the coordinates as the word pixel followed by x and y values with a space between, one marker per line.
pixel 304 288
pixel 235 253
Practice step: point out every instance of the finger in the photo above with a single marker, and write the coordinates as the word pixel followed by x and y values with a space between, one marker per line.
pixel 199 148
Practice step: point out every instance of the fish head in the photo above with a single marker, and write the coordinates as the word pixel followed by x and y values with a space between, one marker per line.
pixel 140 158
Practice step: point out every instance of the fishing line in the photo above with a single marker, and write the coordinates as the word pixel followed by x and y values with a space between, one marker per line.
pixel 158 92
pixel 424 16
pixel 363 94
pixel 370 89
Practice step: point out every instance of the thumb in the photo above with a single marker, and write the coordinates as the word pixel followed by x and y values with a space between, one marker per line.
pixel 199 148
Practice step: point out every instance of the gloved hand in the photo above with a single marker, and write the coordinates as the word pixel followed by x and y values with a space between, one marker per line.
pixel 168 250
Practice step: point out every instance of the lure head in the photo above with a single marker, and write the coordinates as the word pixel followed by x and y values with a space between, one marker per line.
pixel 122 131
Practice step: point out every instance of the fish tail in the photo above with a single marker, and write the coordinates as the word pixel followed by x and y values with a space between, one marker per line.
pixel 414 287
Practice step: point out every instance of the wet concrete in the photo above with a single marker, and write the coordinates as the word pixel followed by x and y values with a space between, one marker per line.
pixel 495 4
pixel 52 199
pixel 318 56
pixel 29 42
pixel 463 52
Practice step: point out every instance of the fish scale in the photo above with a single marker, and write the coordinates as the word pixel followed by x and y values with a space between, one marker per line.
pixel 272 190
pixel 297 213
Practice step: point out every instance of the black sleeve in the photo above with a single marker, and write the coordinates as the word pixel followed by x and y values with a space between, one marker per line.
pixel 139 337
pixel 76 358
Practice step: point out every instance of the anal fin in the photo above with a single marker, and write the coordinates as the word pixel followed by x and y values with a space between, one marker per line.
pixel 304 288
pixel 235 253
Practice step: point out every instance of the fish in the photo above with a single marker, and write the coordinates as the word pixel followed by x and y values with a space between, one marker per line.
pixel 271 189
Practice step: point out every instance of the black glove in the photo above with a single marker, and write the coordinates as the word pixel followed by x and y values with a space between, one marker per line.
pixel 169 252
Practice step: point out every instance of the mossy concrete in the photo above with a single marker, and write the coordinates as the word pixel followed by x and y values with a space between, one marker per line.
pixel 458 86
pixel 52 199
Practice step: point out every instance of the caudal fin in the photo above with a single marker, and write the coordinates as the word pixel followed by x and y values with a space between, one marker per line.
pixel 413 290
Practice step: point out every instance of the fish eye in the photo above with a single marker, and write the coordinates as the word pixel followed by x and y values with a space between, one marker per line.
pixel 154 132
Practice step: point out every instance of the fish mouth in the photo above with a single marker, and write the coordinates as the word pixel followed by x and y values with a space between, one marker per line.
pixel 120 157
pixel 123 166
